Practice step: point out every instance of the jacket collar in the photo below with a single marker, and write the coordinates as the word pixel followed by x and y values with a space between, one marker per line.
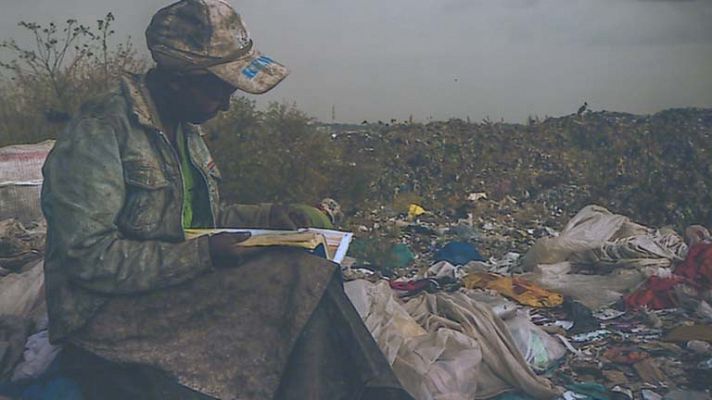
pixel 142 106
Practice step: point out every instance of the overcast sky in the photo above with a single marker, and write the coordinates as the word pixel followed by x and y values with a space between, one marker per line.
pixel 382 59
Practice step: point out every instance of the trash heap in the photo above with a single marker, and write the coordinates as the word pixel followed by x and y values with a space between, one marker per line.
pixel 25 351
pixel 476 308
pixel 652 168
pixel 27 359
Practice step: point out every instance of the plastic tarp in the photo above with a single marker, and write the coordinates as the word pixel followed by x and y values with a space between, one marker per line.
pixel 38 355
pixel 21 180
pixel 445 346
pixel 22 294
pixel 597 238
pixel 540 350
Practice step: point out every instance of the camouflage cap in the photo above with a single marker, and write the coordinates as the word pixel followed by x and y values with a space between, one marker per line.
pixel 194 35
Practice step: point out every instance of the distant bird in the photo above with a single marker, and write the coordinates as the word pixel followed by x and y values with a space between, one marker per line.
pixel 582 109
pixel 364 122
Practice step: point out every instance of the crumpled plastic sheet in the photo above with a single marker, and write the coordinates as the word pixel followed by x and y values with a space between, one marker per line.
pixel 438 358
pixel 443 365
pixel 598 238
pixel 540 350
pixel 20 294
pixel 656 249
pixel 37 357
pixel 593 291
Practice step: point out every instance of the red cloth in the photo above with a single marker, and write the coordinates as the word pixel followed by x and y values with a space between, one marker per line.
pixel 697 266
pixel 658 293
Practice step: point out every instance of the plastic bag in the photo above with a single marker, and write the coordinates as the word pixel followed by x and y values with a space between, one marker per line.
pixel 540 350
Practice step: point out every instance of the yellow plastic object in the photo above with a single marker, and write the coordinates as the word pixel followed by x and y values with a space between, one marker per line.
pixel 517 289
pixel 415 210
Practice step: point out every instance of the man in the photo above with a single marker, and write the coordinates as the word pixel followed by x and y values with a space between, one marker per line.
pixel 195 318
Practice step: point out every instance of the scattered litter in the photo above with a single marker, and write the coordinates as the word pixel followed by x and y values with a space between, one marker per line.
pixel 514 288
pixel 698 346
pixel 458 253
pixel 678 394
pixel 581 316
pixel 414 211
pixel 625 355
pixel 608 314
pixel 590 390
pixel 707 364
pixel 649 372
pixel 690 332
pixel 650 395
pixel 477 196
pixel 444 269
pixel 621 393
pixel 589 336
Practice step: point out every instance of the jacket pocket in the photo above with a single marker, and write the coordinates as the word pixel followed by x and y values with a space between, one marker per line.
pixel 144 175
pixel 147 196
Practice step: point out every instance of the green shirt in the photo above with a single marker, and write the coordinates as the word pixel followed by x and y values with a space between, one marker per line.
pixel 194 193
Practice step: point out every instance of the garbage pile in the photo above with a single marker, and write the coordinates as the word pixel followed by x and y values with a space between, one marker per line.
pixel 26 356
pixel 653 168
pixel 515 290
pixel 470 308
pixel 25 351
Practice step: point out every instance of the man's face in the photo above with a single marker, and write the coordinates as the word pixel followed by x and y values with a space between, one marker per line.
pixel 199 98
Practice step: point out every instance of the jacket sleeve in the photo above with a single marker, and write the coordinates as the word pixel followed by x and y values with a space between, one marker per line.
pixel 245 216
pixel 82 196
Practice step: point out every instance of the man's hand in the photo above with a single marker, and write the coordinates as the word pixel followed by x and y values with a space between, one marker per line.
pixel 224 249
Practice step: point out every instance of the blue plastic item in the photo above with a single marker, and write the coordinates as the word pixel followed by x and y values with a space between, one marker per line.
pixel 458 253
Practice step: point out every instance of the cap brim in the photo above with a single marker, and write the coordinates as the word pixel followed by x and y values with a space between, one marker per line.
pixel 254 74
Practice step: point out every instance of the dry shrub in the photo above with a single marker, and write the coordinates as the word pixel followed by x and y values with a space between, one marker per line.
pixel 279 154
pixel 44 85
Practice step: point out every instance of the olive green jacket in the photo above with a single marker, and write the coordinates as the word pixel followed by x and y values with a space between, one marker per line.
pixel 112 197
